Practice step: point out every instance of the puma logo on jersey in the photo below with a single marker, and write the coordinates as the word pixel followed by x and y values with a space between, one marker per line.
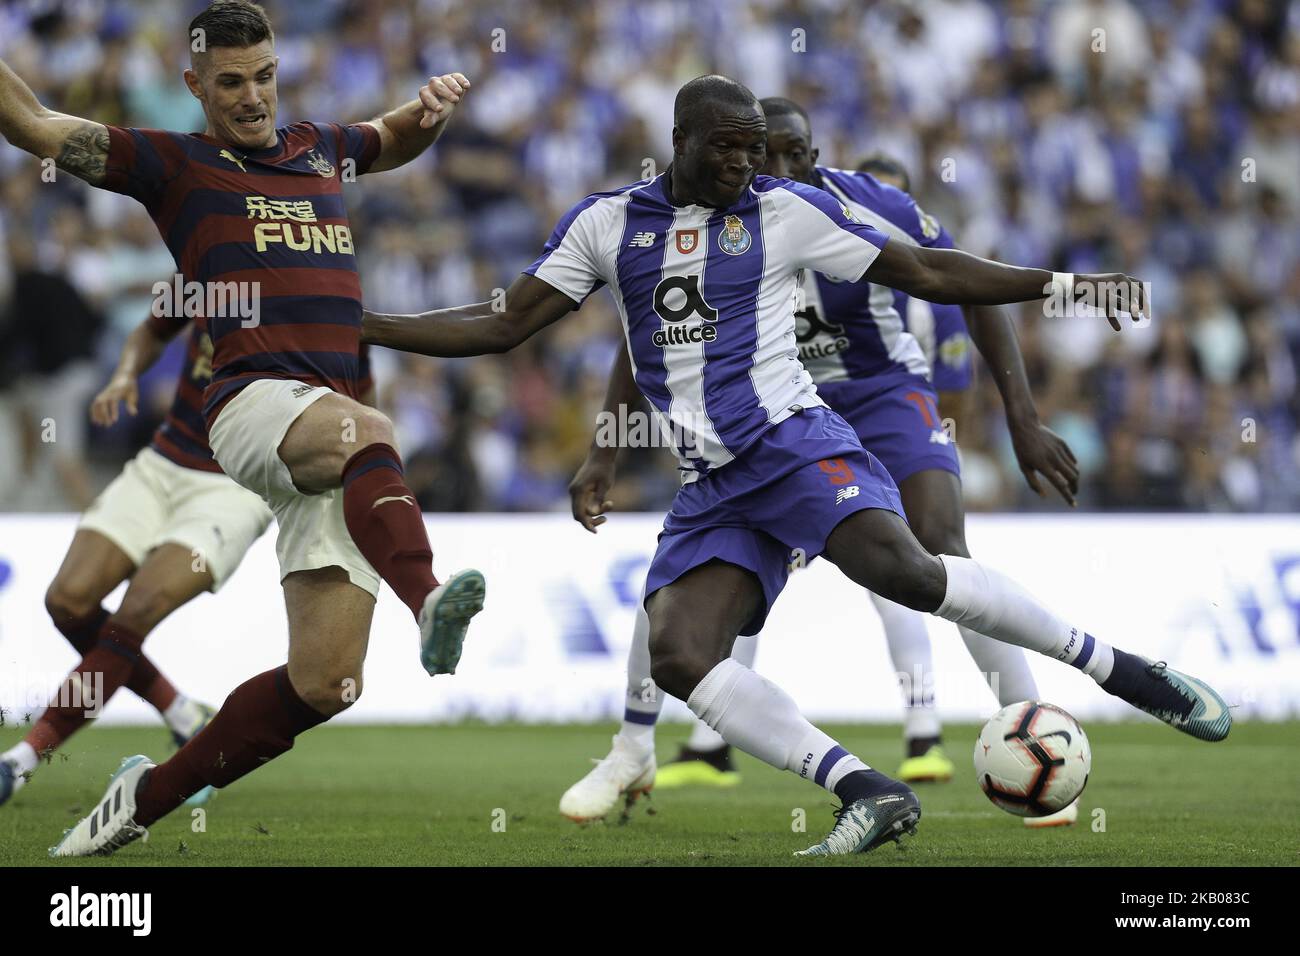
pixel 409 499
pixel 227 154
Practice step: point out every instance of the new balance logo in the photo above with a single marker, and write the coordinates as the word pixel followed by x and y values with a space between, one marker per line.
pixel 844 494
pixel 302 390
pixel 643 240
pixel 940 438
pixel 407 498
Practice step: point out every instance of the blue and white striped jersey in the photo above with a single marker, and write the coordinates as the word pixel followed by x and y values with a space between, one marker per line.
pixel 707 299
pixel 857 330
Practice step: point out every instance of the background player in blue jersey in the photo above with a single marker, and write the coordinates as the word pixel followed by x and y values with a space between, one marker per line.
pixel 874 371
pixel 703 261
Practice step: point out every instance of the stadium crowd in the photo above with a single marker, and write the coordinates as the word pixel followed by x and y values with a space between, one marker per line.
pixel 1160 138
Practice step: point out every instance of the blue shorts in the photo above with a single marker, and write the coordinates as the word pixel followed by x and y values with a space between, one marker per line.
pixel 897 420
pixel 774 506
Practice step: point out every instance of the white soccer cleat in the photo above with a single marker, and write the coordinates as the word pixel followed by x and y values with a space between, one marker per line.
pixel 626 772
pixel 1061 818
pixel 111 825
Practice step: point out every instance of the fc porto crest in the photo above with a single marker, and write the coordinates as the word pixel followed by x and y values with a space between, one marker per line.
pixel 320 164
pixel 735 238
pixel 687 240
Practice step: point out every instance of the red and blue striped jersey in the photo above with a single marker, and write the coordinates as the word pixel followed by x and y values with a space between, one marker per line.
pixel 263 248
pixel 183 435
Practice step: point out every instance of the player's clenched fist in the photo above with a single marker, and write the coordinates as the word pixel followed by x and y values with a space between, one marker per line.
pixel 439 97
pixel 104 407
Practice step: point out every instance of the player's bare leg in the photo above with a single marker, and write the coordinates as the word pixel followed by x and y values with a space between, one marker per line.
pixel 877 550
pixel 110 644
pixel 693 624
pixel 340 442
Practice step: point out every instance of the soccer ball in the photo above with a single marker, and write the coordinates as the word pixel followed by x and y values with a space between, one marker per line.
pixel 1032 759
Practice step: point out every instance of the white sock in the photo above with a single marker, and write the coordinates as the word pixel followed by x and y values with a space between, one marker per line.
pixel 752 713
pixel 183 715
pixel 703 737
pixel 909 649
pixel 1003 665
pixel 644 700
pixel 24 758
pixel 992 604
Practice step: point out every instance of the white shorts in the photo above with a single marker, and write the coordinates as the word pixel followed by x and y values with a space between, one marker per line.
pixel 156 501
pixel 246 439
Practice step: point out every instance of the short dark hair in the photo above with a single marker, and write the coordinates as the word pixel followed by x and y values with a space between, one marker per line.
pixel 879 162
pixel 780 106
pixel 709 91
pixel 232 23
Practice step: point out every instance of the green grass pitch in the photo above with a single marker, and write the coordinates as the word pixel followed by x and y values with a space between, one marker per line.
pixel 472 794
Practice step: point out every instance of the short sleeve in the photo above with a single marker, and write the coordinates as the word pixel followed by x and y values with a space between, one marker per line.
pixel 141 162
pixel 571 261
pixel 822 234
pixel 928 231
pixel 358 142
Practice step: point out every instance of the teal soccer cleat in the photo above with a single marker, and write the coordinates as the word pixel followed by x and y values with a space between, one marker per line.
pixel 1182 702
pixel 445 618
pixel 865 824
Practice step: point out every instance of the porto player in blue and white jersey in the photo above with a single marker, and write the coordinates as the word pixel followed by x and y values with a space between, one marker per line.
pixel 703 262
pixel 863 347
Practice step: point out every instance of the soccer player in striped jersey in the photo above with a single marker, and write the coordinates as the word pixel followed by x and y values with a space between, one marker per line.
pixel 863 346
pixel 172 525
pixel 255 218
pixel 704 261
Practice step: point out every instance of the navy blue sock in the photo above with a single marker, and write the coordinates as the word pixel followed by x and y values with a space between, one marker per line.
pixel 1125 675
pixel 866 783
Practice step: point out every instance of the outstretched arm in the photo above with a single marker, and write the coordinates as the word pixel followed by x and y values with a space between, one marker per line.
pixel 1038 449
pixel 413 127
pixel 955 277
pixel 593 480
pixel 76 145
pixel 477 329
pixel 141 350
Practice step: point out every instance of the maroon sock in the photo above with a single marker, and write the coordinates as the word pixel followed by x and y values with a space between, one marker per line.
pixel 148 683
pixel 386 523
pixel 84 631
pixel 90 685
pixel 256 724
pixel 146 680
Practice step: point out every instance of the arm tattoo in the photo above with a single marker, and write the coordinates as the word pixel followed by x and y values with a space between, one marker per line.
pixel 85 153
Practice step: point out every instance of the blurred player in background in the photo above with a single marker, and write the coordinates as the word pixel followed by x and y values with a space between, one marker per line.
pixel 704 262
pixel 254 215
pixel 863 347
pixel 172 524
